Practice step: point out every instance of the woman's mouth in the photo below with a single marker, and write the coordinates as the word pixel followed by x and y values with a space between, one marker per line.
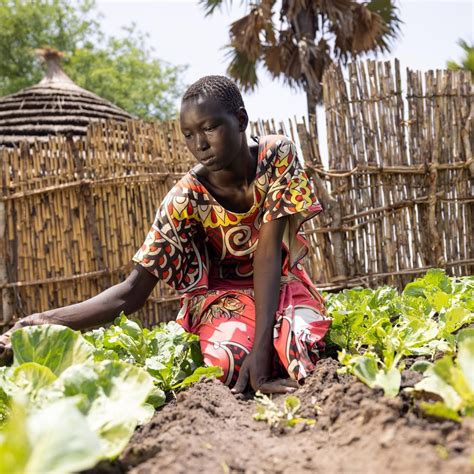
pixel 208 160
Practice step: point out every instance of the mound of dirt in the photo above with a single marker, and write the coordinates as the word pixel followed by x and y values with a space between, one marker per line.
pixel 208 430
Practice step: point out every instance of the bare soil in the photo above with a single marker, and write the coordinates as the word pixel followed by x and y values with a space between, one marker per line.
pixel 208 430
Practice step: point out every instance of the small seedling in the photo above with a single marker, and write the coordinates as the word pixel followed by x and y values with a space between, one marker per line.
pixel 286 417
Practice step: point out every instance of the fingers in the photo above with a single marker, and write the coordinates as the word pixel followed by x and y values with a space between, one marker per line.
pixel 6 353
pixel 279 386
pixel 5 339
pixel 242 380
pixel 289 382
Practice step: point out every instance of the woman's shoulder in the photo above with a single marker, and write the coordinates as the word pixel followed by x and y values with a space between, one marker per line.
pixel 273 141
pixel 188 185
pixel 275 151
pixel 187 193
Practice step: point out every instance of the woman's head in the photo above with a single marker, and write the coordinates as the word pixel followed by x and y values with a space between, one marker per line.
pixel 213 121
pixel 221 88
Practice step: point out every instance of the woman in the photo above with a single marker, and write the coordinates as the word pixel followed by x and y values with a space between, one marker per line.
pixel 226 237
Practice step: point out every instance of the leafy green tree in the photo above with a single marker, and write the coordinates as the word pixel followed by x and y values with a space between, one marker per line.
pixel 467 62
pixel 123 70
pixel 27 25
pixel 126 73
pixel 307 37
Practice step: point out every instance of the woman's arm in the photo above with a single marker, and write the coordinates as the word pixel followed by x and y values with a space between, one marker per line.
pixel 127 296
pixel 257 368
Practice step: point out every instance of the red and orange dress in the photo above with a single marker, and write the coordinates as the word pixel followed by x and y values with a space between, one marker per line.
pixel 206 253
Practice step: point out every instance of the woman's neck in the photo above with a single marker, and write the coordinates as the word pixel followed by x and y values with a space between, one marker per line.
pixel 241 171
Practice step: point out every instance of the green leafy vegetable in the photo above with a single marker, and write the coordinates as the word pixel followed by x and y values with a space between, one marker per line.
pixel 376 329
pixel 269 412
pixel 171 355
pixel 55 347
pixel 112 379
pixel 112 395
pixel 56 440
pixel 452 381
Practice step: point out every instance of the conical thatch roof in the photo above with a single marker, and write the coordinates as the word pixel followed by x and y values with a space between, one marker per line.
pixel 54 106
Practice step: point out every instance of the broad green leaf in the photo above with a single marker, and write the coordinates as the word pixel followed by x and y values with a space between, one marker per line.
pixel 115 394
pixel 4 406
pixel 433 282
pixel 440 301
pixel 450 373
pixel 56 347
pixel 292 404
pixel 417 333
pixel 168 352
pixel 157 397
pixel 467 333
pixel 466 362
pixel 436 385
pixel 421 366
pixel 132 328
pixel 201 373
pixel 452 381
pixel 14 444
pixel 55 440
pixel 365 369
pixel 414 289
pixel 6 383
pixel 389 381
pixel 440 410
pixel 436 277
pixel 146 414
pixel 32 377
pixel 454 318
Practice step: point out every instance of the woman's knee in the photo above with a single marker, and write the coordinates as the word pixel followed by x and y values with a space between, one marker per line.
pixel 229 356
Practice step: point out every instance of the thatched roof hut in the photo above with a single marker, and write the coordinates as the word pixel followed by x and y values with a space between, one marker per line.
pixel 54 106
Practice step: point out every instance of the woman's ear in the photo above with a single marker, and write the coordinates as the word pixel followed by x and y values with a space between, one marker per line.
pixel 243 118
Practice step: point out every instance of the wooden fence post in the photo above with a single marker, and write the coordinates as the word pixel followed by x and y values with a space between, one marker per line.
pixel 8 307
pixel 85 192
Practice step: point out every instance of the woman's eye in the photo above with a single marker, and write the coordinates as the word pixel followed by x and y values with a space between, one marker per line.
pixel 209 129
pixel 187 136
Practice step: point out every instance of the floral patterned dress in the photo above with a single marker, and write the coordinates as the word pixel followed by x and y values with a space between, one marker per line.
pixel 206 253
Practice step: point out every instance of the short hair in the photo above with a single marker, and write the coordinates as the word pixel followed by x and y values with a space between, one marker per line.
pixel 219 87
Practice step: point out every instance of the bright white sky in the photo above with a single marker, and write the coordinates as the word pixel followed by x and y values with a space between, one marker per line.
pixel 180 34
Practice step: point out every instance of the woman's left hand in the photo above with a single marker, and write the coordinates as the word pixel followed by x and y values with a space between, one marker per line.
pixel 256 370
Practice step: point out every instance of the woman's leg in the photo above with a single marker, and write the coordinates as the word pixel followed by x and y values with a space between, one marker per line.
pixel 227 326
pixel 298 338
pixel 227 335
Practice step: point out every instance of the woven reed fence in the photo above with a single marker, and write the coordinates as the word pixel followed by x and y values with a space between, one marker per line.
pixel 76 210
pixel 398 193
pixel 400 173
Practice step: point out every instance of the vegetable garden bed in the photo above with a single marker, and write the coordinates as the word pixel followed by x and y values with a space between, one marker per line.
pixel 400 397
pixel 208 430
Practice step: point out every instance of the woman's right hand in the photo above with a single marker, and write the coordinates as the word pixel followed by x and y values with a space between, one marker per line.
pixel 6 353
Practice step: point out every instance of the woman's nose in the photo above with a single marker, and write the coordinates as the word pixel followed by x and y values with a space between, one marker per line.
pixel 201 143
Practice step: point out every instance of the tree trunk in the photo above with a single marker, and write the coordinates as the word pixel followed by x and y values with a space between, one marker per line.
pixel 311 102
pixel 304 27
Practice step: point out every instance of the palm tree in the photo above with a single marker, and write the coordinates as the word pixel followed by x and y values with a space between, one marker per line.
pixel 467 62
pixel 307 37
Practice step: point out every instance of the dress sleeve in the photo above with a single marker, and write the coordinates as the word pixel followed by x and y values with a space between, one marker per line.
pixel 172 250
pixel 289 190
pixel 289 193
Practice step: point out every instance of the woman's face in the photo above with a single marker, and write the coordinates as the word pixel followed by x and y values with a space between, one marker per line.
pixel 212 134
